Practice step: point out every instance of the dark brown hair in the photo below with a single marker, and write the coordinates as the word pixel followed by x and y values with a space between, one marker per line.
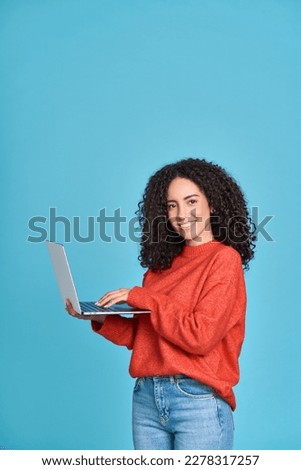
pixel 230 220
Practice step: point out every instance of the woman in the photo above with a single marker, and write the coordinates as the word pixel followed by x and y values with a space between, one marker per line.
pixel 197 237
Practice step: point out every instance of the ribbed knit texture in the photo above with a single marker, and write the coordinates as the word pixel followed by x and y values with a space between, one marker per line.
pixel 197 320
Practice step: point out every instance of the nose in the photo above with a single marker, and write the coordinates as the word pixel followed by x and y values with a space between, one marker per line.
pixel 182 214
pixel 186 214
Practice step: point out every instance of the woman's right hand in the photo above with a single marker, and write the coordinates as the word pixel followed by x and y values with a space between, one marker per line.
pixel 97 318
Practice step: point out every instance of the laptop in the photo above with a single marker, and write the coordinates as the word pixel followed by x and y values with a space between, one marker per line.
pixel 68 291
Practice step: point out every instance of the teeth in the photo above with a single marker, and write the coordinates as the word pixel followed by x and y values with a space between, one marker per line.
pixel 185 225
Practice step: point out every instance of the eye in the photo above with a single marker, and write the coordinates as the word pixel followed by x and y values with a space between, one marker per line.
pixel 171 205
pixel 192 201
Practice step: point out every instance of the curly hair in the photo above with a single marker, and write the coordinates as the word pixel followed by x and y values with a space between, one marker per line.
pixel 230 221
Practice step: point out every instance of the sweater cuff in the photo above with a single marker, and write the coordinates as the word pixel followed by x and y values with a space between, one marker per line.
pixel 110 328
pixel 141 298
pixel 96 327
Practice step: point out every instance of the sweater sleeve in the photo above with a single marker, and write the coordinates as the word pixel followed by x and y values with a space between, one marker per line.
pixel 119 330
pixel 221 304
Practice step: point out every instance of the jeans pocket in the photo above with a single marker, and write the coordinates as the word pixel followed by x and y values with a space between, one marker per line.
pixel 138 383
pixel 225 414
pixel 194 389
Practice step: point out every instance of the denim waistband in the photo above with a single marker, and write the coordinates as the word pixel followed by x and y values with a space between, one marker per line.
pixel 167 378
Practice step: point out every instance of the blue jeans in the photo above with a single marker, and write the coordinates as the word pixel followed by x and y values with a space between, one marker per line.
pixel 176 412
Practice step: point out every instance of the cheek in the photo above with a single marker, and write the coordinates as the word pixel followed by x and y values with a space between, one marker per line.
pixel 171 216
pixel 172 223
pixel 203 213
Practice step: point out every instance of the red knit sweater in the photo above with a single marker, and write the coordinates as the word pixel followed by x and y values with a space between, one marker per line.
pixel 197 320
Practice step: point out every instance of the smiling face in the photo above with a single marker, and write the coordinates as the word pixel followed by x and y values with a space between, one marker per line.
pixel 188 211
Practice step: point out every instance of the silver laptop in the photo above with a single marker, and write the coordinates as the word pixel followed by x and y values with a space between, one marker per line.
pixel 67 288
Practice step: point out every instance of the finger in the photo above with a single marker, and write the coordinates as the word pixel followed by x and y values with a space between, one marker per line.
pixel 108 297
pixel 113 293
pixel 109 300
pixel 121 297
pixel 105 298
pixel 68 306
pixel 70 309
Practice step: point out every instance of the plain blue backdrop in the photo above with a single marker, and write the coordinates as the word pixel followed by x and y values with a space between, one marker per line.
pixel 95 96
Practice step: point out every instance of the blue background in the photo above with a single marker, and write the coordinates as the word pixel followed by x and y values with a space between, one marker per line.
pixel 96 96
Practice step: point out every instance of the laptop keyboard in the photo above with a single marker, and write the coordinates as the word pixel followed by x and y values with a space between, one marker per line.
pixel 91 307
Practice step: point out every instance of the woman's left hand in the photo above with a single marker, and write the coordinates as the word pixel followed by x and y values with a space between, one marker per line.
pixel 113 297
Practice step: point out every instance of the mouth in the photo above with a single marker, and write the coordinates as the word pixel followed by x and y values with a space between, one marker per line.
pixel 186 225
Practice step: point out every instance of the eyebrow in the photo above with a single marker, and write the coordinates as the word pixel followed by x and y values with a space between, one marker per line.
pixel 186 197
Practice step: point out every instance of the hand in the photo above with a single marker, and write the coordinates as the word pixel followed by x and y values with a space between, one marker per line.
pixel 113 297
pixel 73 313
